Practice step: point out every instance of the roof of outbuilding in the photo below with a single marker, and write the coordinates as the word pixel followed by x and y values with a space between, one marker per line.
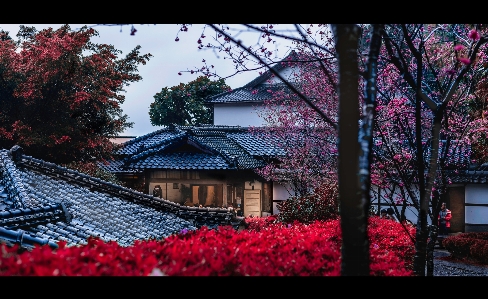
pixel 256 90
pixel 195 148
pixel 458 156
pixel 252 94
pixel 43 203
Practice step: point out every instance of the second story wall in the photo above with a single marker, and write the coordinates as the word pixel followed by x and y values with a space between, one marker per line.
pixel 244 115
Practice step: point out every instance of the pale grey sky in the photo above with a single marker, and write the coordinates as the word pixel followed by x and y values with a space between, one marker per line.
pixel 169 57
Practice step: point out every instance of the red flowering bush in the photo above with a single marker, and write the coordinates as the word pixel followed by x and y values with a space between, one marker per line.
pixel 265 248
pixel 321 205
pixel 390 244
pixel 473 245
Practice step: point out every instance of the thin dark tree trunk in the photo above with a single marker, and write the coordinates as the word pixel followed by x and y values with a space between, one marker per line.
pixel 355 244
pixel 369 108
pixel 421 233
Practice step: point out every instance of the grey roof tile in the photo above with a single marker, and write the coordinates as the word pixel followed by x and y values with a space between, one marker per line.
pixel 205 148
pixel 256 90
pixel 43 203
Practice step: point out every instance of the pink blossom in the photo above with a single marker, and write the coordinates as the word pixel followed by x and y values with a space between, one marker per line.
pixel 474 35
pixel 450 71
pixel 464 60
pixel 458 47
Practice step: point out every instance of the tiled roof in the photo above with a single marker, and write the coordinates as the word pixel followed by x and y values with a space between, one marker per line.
pixel 151 140
pixel 258 93
pixel 256 146
pixel 206 147
pixel 42 203
pixel 268 74
pixel 257 90
pixel 465 177
pixel 458 156
pixel 181 161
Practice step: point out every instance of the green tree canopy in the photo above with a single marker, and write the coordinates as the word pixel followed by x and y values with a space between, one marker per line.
pixel 184 104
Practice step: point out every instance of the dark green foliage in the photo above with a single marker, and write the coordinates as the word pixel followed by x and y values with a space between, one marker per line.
pixel 184 104
pixel 321 205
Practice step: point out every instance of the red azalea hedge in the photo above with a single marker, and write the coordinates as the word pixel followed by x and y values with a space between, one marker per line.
pixel 264 248
pixel 472 245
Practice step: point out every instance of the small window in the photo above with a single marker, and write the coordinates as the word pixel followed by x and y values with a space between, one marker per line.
pixel 175 186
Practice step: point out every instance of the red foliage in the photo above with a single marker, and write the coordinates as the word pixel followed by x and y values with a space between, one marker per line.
pixel 266 248
pixel 471 246
pixel 61 94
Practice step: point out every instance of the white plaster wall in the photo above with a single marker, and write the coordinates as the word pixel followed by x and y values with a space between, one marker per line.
pixel 244 115
pixel 476 215
pixel 279 193
pixel 275 208
pixel 411 212
pixel 476 194
pixel 122 139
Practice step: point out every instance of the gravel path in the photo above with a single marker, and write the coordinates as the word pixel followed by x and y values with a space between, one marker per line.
pixel 449 268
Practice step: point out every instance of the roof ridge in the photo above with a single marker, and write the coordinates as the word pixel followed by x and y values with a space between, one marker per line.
pixel 259 79
pixel 10 177
pixel 139 138
pixel 87 180
pixel 152 148
pixel 266 75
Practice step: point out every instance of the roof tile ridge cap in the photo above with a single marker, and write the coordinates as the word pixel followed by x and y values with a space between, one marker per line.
pixel 152 151
pixel 65 170
pixel 203 146
pixel 266 75
pixel 178 134
pixel 21 196
pixel 137 139
pixel 59 168
pixel 223 93
pixel 230 159
pixel 24 237
pixel 93 179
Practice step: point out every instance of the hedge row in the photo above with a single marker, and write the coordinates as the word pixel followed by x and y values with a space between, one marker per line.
pixel 473 245
pixel 264 248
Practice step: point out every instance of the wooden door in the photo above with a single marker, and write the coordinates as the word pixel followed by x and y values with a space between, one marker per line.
pixel 252 202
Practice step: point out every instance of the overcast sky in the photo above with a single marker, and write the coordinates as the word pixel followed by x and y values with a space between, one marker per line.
pixel 169 57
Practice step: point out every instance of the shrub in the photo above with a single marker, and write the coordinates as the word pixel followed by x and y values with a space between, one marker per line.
pixel 321 205
pixel 479 251
pixel 472 245
pixel 267 248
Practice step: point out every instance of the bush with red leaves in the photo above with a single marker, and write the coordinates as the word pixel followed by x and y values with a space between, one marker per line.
pixel 472 245
pixel 265 248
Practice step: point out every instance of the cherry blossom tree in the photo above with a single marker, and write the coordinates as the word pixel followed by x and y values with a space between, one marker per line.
pixel 427 71
pixel 423 74
pixel 417 121
pixel 355 247
pixel 310 143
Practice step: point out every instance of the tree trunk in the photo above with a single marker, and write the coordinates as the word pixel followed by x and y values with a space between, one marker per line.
pixel 355 244
pixel 366 129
